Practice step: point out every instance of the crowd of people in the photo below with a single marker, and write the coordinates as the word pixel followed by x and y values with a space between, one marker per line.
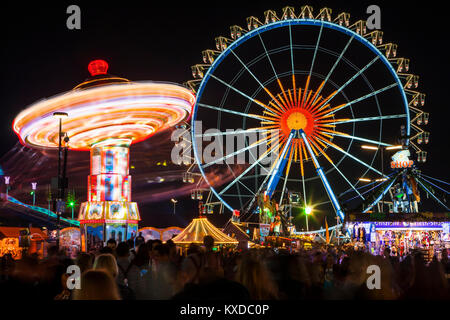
pixel 142 270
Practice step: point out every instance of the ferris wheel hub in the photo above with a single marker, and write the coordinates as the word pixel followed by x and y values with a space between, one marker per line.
pixel 296 121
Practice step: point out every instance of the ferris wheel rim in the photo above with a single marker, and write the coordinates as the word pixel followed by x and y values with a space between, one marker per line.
pixel 275 25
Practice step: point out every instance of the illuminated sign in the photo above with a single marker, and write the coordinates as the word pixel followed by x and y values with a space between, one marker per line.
pixel 401 164
pixel 406 225
pixel 401 160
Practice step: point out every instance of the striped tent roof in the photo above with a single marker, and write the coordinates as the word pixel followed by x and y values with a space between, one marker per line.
pixel 198 229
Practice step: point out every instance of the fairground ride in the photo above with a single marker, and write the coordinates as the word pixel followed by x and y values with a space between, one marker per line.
pixel 318 91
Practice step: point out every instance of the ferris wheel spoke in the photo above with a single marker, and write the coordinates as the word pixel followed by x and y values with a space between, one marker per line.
pixel 248 189
pixel 259 82
pixel 233 132
pixel 253 145
pixel 294 90
pixel 385 190
pixel 336 63
pixel 284 103
pixel 291 49
pixel 268 109
pixel 300 152
pixel 353 157
pixel 248 169
pixel 349 183
pixel 288 169
pixel 237 185
pixel 432 194
pixel 394 116
pixel 247 115
pixel 349 136
pixel 330 161
pixel 315 50
pixel 264 182
pixel 236 195
pixel 268 57
pixel 350 80
pixel 362 98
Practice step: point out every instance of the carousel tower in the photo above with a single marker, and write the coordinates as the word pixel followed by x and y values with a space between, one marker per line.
pixel 105 115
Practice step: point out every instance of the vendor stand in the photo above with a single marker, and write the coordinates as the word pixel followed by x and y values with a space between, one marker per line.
pixel 402 233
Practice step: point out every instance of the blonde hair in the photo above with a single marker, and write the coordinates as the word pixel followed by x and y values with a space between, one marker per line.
pixel 97 285
pixel 107 262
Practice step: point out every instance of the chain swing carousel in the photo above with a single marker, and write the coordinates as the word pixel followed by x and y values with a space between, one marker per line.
pixel 105 115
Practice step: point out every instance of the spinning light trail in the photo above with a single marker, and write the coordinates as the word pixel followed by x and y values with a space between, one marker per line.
pixel 106 114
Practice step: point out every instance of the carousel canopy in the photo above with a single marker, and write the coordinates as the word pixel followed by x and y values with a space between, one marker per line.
pixel 198 229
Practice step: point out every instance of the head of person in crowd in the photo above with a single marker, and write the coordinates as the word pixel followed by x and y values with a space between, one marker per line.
pixel 123 250
pixel 444 255
pixel 172 250
pixel 139 239
pixel 84 261
pixel 193 249
pixel 111 243
pixel 130 243
pixel 52 251
pixel 106 250
pixel 156 242
pixel 208 242
pixel 357 269
pixel 142 257
pixel 108 263
pixel 329 262
pixel 97 285
pixel 151 248
pixel 161 252
pixel 387 252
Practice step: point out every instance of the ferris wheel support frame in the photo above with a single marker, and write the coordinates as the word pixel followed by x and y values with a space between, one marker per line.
pixel 381 195
pixel 322 176
pixel 279 167
pixel 429 192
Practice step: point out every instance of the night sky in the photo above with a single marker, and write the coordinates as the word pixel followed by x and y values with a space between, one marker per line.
pixel 159 41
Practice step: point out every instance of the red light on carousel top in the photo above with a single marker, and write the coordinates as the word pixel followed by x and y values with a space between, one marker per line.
pixel 97 67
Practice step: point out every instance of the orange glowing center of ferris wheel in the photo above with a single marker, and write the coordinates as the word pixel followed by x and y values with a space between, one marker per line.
pixel 297 121
pixel 301 109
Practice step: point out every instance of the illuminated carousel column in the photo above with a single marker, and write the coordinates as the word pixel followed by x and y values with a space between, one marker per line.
pixel 109 212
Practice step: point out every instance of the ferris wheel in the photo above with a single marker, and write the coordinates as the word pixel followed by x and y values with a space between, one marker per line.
pixel 306 93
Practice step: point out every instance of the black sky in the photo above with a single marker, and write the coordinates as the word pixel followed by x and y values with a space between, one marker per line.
pixel 149 40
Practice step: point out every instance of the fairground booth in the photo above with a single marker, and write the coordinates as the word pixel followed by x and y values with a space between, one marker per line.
pixel 401 232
